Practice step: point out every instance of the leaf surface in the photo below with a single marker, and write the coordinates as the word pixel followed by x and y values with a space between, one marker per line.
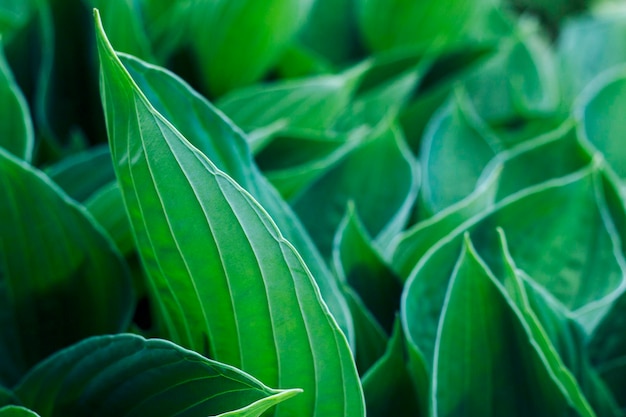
pixel 226 282
pixel 60 279
pixel 127 375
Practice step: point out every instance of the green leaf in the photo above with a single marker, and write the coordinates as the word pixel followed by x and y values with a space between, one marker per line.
pixel 13 15
pixel 365 177
pixel 555 154
pixel 82 174
pixel 16 126
pixel 6 396
pixel 599 110
pixel 222 142
pixel 411 245
pixel 520 80
pixel 107 207
pixel 589 44
pixel 455 137
pixel 60 279
pixel 128 375
pixel 359 265
pixel 219 34
pixel 582 272
pixel 443 25
pixel 311 103
pixel 16 411
pixel 486 362
pixel 226 282
pixel 388 386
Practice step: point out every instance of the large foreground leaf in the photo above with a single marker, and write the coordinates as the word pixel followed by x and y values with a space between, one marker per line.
pixel 225 281
pixel 61 280
pixel 127 375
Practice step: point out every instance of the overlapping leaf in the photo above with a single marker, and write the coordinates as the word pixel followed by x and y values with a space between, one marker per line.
pixel 226 282
pixel 127 375
pixel 60 279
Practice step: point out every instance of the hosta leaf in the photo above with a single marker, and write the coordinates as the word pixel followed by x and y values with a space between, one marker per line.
pixel 312 103
pixel 127 375
pixel 582 272
pixel 60 279
pixel 455 137
pixel 521 80
pixel 217 263
pixel 107 207
pixel 359 265
pixel 17 411
pixel 363 176
pixel 219 33
pixel 486 362
pixel 552 155
pixel 599 111
pixel 213 134
pixel 16 127
pixel 411 245
pixel 388 386
pixel 418 24
pixel 82 174
pixel 589 44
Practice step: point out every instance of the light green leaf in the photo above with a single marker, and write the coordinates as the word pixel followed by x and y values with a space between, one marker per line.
pixel 442 25
pixel 127 375
pixel 226 282
pixel 60 279
pixel 388 386
pixel 82 174
pixel 222 142
pixel 16 126
pixel 589 44
pixel 455 137
pixel 17 411
pixel 359 265
pixel 486 362
pixel 311 103
pixel 599 111
pixel 519 81
pixel 365 177
pixel 220 36
pixel 411 245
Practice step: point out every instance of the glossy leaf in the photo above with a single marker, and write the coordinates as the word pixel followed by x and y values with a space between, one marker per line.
pixel 227 55
pixel 217 262
pixel 388 386
pixel 598 110
pixel 82 174
pixel 486 362
pixel 213 134
pixel 40 310
pixel 127 375
pixel 17 411
pixel 16 126
pixel 365 177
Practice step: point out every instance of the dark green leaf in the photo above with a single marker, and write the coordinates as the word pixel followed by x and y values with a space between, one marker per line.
pixel 82 174
pixel 388 386
pixel 127 375
pixel 16 411
pixel 16 126
pixel 217 263
pixel 60 279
